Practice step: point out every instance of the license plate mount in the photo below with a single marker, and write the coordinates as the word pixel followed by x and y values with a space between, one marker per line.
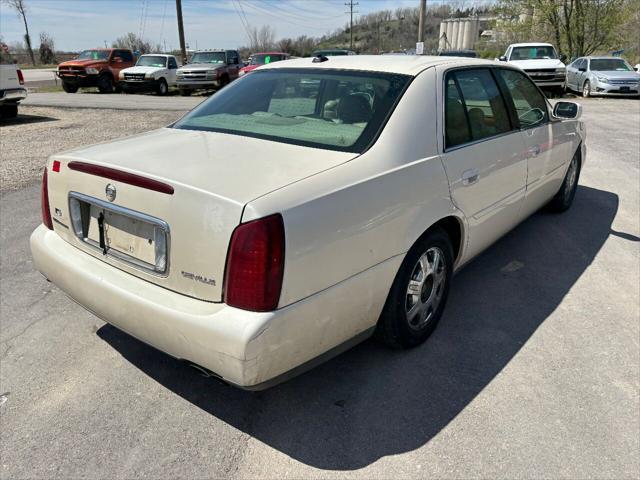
pixel 116 232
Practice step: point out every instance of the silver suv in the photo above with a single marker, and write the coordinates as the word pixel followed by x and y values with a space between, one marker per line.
pixel 207 70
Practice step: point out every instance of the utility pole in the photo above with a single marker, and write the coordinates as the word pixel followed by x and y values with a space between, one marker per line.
pixel 351 12
pixel 183 50
pixel 423 11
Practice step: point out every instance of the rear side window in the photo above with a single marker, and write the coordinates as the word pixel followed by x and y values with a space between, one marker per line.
pixel 530 104
pixel 474 107
pixel 125 55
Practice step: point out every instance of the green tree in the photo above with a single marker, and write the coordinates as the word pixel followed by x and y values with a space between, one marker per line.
pixel 576 27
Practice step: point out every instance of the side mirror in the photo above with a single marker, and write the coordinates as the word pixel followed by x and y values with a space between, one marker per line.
pixel 567 110
pixel 502 58
pixel 636 68
pixel 583 69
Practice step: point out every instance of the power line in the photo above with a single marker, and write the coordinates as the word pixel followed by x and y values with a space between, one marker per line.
pixel 351 12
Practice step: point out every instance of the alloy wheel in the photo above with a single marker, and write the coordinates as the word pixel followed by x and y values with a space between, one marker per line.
pixel 425 289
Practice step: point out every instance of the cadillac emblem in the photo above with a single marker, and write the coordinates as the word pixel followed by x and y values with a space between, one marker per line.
pixel 110 191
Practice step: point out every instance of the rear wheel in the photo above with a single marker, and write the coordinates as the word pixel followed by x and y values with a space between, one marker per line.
pixel 586 89
pixel 105 84
pixel 564 198
pixel 67 87
pixel 9 111
pixel 162 88
pixel 419 292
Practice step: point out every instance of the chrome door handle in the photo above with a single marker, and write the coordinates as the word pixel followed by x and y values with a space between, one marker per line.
pixel 469 177
pixel 534 151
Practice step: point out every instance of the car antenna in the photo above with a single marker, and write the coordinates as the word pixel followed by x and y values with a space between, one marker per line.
pixel 319 59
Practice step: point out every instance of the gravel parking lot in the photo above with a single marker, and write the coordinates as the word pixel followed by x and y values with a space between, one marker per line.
pixel 533 372
pixel 40 131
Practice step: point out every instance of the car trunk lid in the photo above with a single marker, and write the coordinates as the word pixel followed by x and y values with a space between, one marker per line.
pixel 211 177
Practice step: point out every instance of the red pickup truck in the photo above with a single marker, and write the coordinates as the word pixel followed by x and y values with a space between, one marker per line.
pixel 95 68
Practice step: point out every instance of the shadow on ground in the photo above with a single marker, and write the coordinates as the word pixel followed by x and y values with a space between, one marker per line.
pixel 372 402
pixel 24 119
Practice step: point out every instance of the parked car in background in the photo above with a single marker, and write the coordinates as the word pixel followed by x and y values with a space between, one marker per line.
pixel 152 72
pixel 541 62
pixel 224 240
pixel 207 70
pixel 12 90
pixel 95 68
pixel 458 53
pixel 336 52
pixel 263 58
pixel 606 76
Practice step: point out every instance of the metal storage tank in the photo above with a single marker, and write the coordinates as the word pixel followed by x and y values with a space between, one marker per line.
pixel 442 38
pixel 454 35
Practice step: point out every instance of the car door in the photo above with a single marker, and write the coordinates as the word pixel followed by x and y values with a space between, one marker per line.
pixel 172 66
pixel 483 155
pixel 572 72
pixel 547 144
pixel 582 74
pixel 233 64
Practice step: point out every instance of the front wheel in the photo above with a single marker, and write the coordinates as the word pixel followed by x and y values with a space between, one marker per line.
pixel 105 84
pixel 69 88
pixel 162 88
pixel 419 292
pixel 586 89
pixel 564 198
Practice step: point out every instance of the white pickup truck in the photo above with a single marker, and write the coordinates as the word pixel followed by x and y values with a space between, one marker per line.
pixel 541 62
pixel 12 90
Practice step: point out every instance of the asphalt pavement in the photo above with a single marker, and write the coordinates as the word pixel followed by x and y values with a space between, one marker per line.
pixel 88 99
pixel 533 372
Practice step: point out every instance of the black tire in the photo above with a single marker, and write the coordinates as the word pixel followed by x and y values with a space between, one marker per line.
pixel 9 110
pixel 184 92
pixel 162 88
pixel 397 326
pixel 105 84
pixel 564 198
pixel 586 89
pixel 67 87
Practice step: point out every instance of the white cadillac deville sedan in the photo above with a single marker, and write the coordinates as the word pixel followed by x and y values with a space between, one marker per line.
pixel 305 207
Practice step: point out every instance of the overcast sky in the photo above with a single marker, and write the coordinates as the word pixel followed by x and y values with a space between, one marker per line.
pixel 80 24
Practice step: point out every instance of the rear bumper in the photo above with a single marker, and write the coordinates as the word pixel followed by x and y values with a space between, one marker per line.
pixel 12 95
pixel 248 349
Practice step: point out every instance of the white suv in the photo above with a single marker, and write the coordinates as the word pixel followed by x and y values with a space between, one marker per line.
pixel 541 62
pixel 151 73
pixel 12 90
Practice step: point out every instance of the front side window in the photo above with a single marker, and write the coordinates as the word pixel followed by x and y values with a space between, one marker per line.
pixel 152 61
pixel 337 110
pixel 483 108
pixel 533 53
pixel 610 65
pixel 173 63
pixel 209 57
pixel 530 104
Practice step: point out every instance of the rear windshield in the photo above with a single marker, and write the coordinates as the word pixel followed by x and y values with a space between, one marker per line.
pixel 336 110
pixel 610 64
pixel 152 61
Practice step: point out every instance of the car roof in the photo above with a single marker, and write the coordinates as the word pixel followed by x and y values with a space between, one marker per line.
pixel 157 55
pixel 602 57
pixel 269 53
pixel 403 64
pixel 531 44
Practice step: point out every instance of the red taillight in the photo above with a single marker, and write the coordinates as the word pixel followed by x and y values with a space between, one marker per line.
pixel 255 265
pixel 44 202
pixel 20 77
